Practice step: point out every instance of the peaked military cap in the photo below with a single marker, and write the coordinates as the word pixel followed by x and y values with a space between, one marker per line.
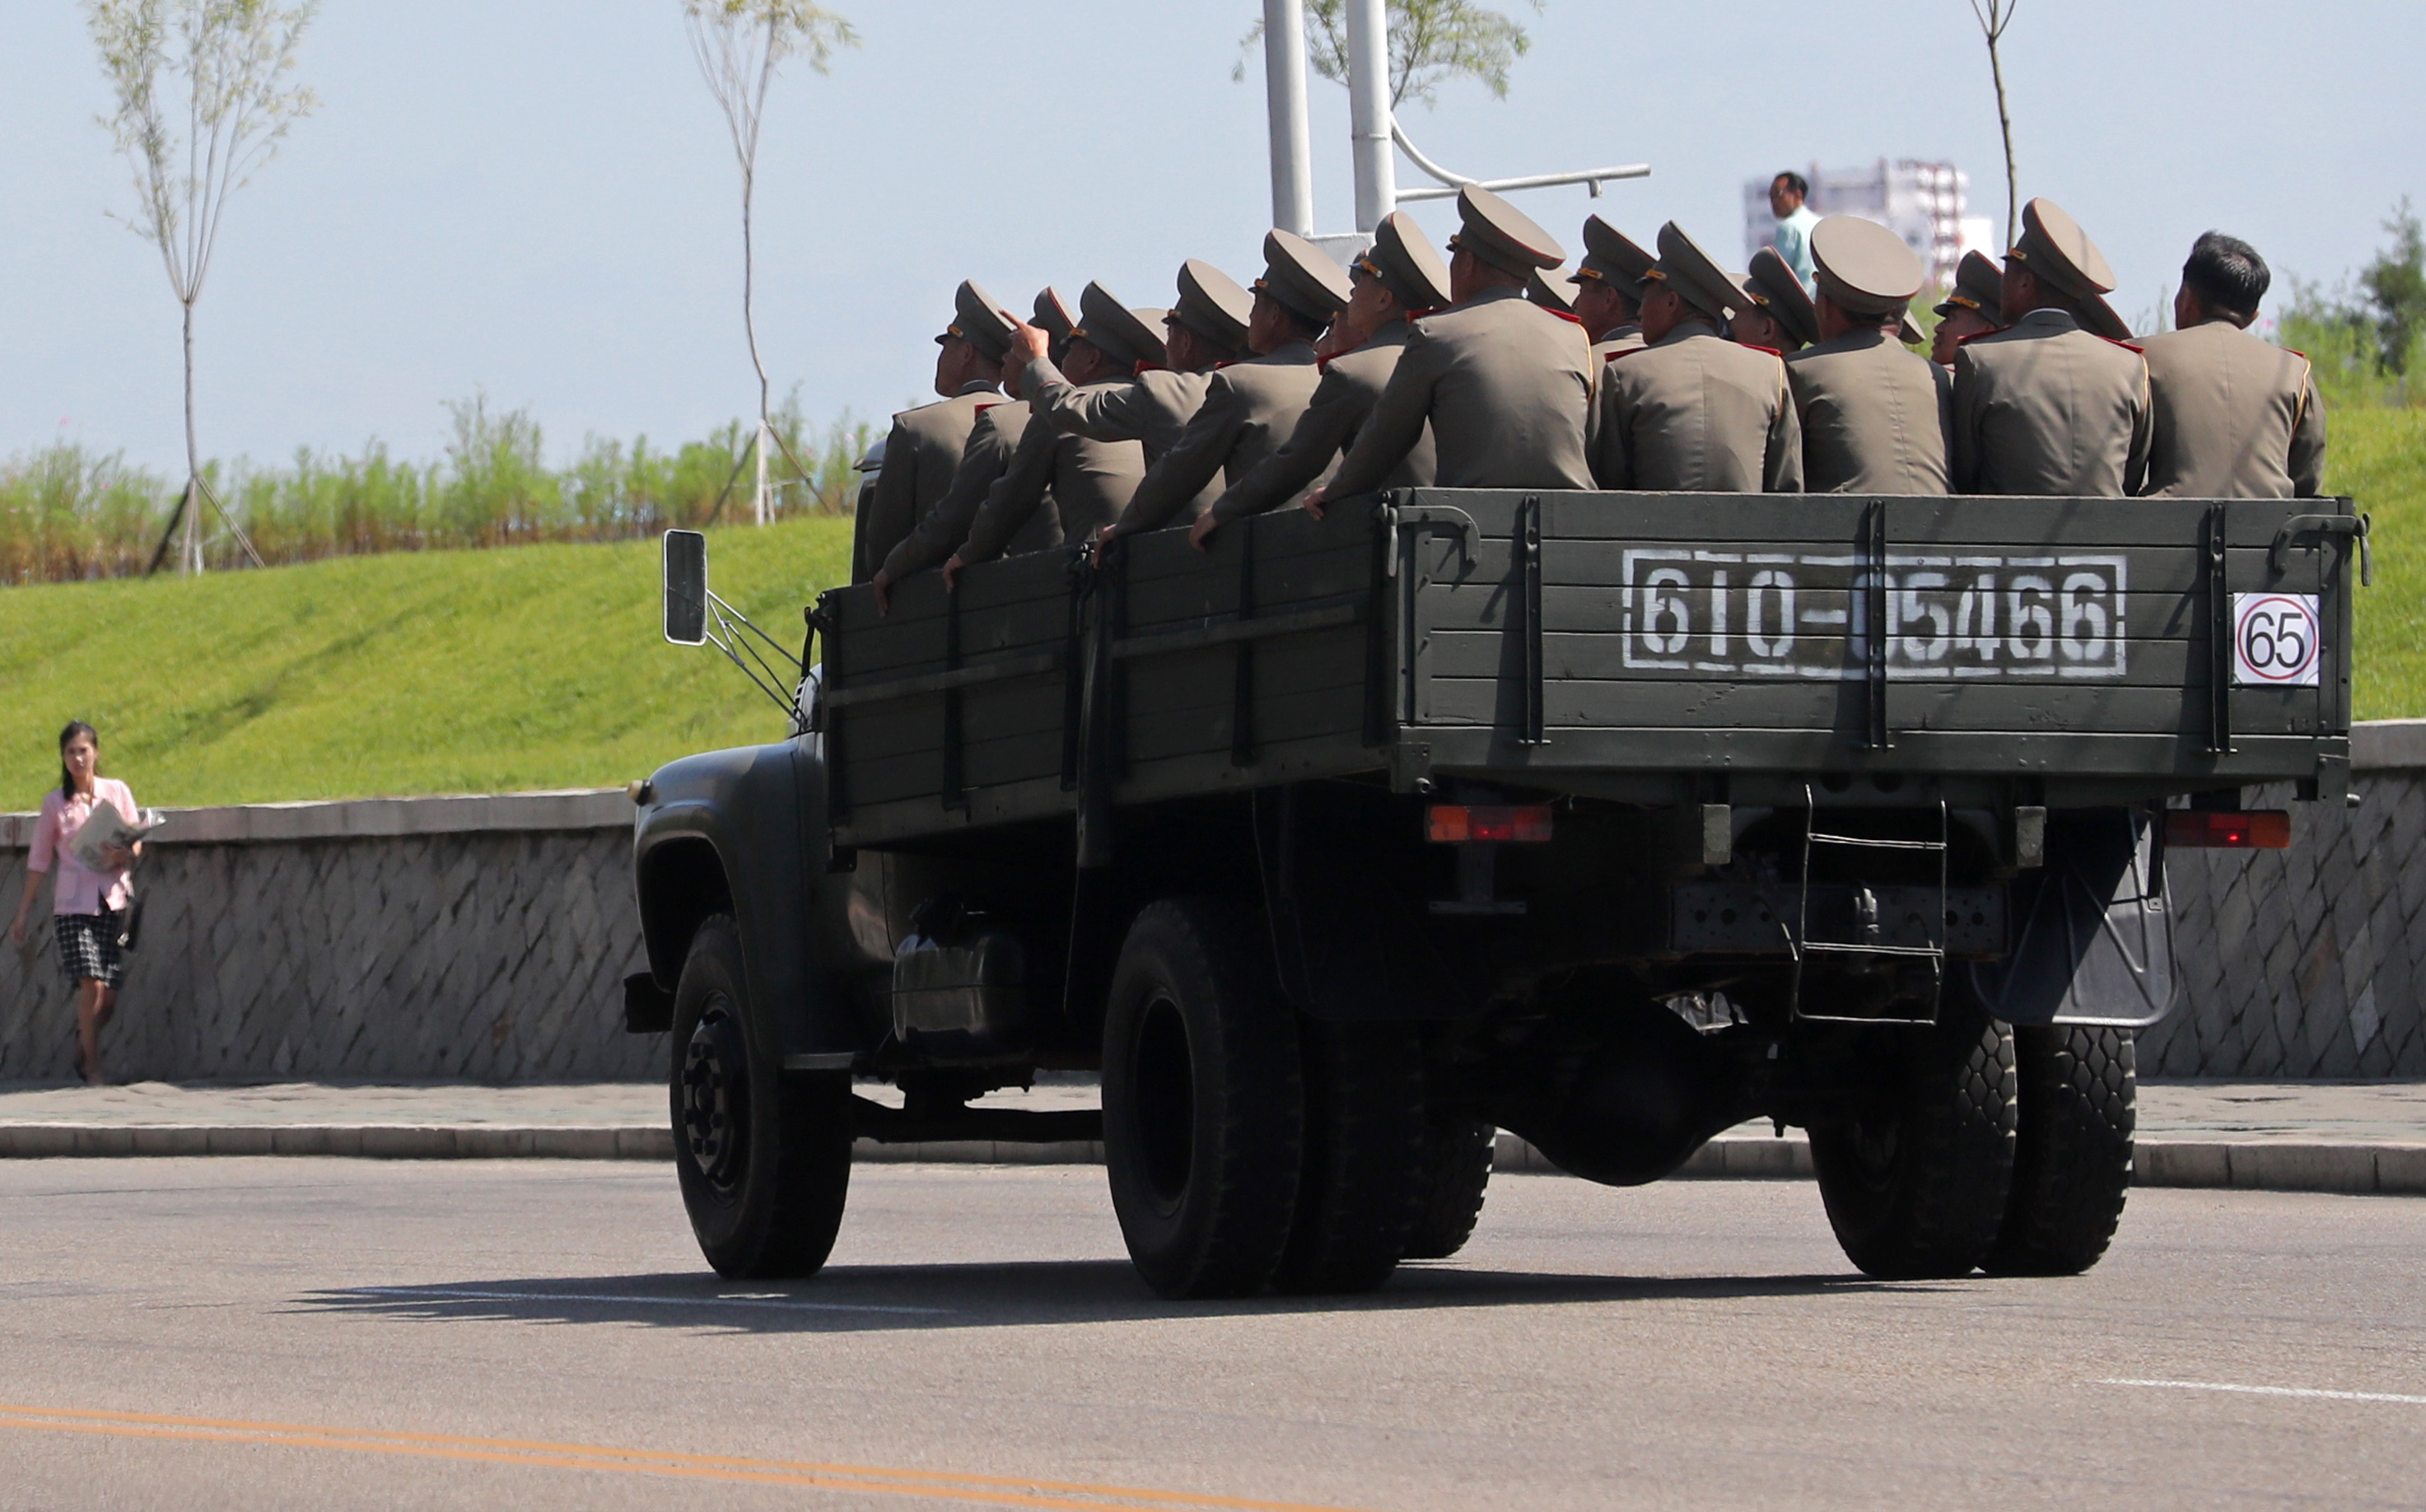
pixel 1551 291
pixel 1405 263
pixel 1696 278
pixel 2053 246
pixel 1501 235
pixel 2104 319
pixel 1302 276
pixel 1864 266
pixel 1052 315
pixel 1612 257
pixel 1212 305
pixel 979 321
pixel 1979 286
pixel 1773 286
pixel 1122 334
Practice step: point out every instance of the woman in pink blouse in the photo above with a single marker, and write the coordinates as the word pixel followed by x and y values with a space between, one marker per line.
pixel 88 907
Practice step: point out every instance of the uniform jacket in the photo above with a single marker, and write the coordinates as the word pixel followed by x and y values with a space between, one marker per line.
pixel 1058 487
pixel 992 441
pixel 1874 416
pixel 2235 417
pixel 920 458
pixel 1151 408
pixel 1250 408
pixel 1625 338
pixel 1506 388
pixel 2045 407
pixel 1696 413
pixel 1352 384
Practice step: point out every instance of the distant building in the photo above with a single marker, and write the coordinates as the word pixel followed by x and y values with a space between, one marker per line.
pixel 1925 203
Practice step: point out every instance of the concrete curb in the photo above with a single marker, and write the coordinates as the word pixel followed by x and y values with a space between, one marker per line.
pixel 2273 1165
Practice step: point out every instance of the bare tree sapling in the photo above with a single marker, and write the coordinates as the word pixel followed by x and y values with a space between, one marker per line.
pixel 203 96
pixel 1994 17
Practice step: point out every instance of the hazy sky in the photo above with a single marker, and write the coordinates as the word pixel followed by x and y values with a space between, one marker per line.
pixel 536 198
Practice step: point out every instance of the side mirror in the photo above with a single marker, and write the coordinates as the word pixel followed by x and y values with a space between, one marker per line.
pixel 686 583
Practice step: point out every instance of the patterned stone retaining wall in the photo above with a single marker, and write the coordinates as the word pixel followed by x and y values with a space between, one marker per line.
pixel 486 939
pixel 475 938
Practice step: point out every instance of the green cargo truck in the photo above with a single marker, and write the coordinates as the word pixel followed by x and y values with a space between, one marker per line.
pixel 1610 820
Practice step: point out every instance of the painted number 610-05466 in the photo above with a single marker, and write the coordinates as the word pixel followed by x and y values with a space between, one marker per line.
pixel 2275 640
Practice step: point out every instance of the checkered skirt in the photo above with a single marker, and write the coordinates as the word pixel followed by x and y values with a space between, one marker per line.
pixel 88 947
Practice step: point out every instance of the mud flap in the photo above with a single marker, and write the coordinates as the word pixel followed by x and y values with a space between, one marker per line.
pixel 2093 932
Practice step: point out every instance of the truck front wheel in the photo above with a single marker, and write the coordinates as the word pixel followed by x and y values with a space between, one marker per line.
pixel 762 1155
pixel 1916 1181
pixel 2072 1160
pixel 1204 1108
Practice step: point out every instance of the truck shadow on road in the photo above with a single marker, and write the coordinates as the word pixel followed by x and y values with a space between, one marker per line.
pixel 893 1298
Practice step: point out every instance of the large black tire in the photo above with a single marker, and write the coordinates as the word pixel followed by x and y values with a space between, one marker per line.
pixel 1915 1183
pixel 2072 1159
pixel 1202 1104
pixel 1363 1184
pixel 1457 1150
pixel 762 1155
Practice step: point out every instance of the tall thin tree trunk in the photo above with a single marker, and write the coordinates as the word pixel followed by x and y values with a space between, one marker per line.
pixel 750 324
pixel 193 460
pixel 2005 123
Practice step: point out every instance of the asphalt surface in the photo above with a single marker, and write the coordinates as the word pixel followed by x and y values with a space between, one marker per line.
pixel 319 1333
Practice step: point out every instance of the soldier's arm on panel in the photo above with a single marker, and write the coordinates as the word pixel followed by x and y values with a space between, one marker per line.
pixel 1179 475
pixel 1013 498
pixel 945 524
pixel 1329 423
pixel 2308 459
pixel 889 510
pixel 1106 411
pixel 1397 427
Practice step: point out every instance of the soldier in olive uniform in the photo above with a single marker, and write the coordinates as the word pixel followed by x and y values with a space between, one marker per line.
pixel 1062 485
pixel 1609 289
pixel 1399 276
pixel 1554 292
pixel 992 437
pixel 1504 385
pixel 1973 307
pixel 923 452
pixel 2235 417
pixel 1693 412
pixel 1782 318
pixel 1874 416
pixel 2045 406
pixel 1250 406
pixel 1199 332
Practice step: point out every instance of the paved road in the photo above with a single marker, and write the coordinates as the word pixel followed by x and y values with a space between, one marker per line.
pixel 314 1334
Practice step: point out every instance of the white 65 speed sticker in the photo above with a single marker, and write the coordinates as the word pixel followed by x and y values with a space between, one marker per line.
pixel 2274 640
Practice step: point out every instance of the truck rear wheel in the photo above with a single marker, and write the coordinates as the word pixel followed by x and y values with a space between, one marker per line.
pixel 1203 1101
pixel 1458 1151
pixel 1916 1182
pixel 1362 1182
pixel 2072 1156
pixel 762 1155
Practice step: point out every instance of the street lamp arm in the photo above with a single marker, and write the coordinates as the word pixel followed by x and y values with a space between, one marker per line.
pixel 1594 177
pixel 1399 134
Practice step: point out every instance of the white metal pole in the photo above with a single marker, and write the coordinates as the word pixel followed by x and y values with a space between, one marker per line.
pixel 1284 105
pixel 1369 112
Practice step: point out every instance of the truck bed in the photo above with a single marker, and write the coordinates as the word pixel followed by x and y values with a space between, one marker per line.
pixel 1640 646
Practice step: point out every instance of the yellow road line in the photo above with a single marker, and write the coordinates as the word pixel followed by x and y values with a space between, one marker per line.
pixel 991 1491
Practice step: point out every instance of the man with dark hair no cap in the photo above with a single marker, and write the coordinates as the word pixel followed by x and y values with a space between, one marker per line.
pixel 1693 412
pixel 1062 485
pixel 1874 416
pixel 1973 307
pixel 1504 384
pixel 922 454
pixel 2045 406
pixel 2235 417
pixel 1250 407
pixel 993 436
pixel 1399 276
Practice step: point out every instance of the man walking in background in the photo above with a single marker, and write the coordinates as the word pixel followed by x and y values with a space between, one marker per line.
pixel 1792 237
pixel 2235 417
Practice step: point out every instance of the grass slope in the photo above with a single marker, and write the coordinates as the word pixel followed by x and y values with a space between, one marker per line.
pixel 542 666
pixel 418 672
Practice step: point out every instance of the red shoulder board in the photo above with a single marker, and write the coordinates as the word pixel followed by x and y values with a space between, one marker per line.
pixel 2297 353
pixel 1144 368
pixel 2126 345
pixel 1323 365
pixel 1421 315
pixel 1571 320
pixel 1232 363
pixel 1754 346
pixel 1625 351
pixel 1965 341
pixel 996 405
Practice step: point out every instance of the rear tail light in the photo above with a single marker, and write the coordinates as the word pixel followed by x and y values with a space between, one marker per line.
pixel 2195 829
pixel 1458 824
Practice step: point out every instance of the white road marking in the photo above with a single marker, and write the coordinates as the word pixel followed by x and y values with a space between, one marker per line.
pixel 779 1304
pixel 2309 1393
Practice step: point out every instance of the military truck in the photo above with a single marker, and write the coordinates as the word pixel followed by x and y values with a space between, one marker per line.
pixel 1610 820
